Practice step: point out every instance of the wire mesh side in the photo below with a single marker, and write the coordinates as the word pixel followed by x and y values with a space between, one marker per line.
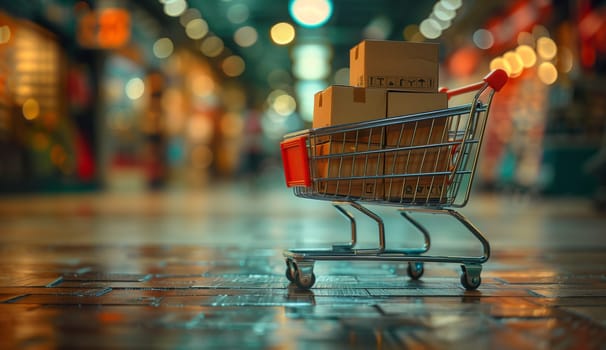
pixel 426 159
pixel 415 161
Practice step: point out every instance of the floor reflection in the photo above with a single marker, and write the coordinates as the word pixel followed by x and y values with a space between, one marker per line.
pixel 205 270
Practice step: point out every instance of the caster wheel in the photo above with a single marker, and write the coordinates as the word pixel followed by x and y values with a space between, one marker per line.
pixel 289 275
pixel 469 282
pixel 290 271
pixel 415 269
pixel 304 282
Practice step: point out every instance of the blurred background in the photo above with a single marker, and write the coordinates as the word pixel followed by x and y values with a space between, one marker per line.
pixel 115 95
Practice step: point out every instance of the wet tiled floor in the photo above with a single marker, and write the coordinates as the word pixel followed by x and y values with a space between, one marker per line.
pixel 204 269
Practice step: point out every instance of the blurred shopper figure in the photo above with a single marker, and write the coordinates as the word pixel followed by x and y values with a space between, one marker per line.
pixel 596 166
pixel 253 155
pixel 153 128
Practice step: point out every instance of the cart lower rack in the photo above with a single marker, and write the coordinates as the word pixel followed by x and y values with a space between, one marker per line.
pixel 420 163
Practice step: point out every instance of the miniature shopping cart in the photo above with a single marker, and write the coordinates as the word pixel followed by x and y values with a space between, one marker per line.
pixel 423 162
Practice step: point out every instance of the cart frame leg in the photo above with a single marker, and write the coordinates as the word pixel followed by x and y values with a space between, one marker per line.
pixel 300 262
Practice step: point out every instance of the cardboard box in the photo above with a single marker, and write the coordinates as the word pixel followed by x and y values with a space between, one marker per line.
pixel 416 133
pixel 347 162
pixel 340 104
pixel 416 161
pixel 409 66
pixel 425 185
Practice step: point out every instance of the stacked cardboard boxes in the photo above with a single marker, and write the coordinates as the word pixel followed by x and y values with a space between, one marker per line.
pixel 387 79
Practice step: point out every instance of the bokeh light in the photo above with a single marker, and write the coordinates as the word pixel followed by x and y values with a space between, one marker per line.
pixel 284 104
pixel 311 13
pixel 443 13
pixel 430 28
pixel 31 109
pixel 379 28
pixel 539 31
pixel 175 8
pixel 305 90
pixel 233 66
pixel 341 76
pixel 444 24
pixel 282 33
pixel 515 62
pixel 197 28
pixel 201 157
pixel 500 63
pixel 231 125
pixel 311 61
pixel 246 36
pixel 134 88
pixel 525 38
pixel 410 31
pixel 527 55
pixel 199 129
pixel 163 48
pixel 279 78
pixel 238 13
pixel 202 85
pixel 565 60
pixel 212 46
pixel 451 4
pixel 483 39
pixel 5 34
pixel 547 73
pixel 188 15
pixel 464 61
pixel 546 48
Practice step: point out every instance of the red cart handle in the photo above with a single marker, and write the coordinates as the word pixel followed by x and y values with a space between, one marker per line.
pixel 495 79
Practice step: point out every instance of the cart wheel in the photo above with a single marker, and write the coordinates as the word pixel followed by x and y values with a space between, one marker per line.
pixel 415 269
pixel 290 270
pixel 304 281
pixel 470 282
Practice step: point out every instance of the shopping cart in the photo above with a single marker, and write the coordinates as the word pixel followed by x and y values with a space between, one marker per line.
pixel 421 163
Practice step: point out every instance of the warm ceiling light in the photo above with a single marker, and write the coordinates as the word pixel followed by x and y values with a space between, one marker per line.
pixel 527 54
pixel 515 62
pixel 500 63
pixel 311 13
pixel 282 33
pixel 546 48
pixel 284 105
pixel 547 73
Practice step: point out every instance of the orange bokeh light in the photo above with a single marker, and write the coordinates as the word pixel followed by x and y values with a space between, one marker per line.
pixel 464 61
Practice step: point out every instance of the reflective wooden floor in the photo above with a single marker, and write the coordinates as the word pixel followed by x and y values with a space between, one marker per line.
pixel 204 269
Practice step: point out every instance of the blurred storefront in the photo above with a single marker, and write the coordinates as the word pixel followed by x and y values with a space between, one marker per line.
pixel 96 95
pixel 119 95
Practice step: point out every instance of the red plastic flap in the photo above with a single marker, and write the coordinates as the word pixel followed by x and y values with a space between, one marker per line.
pixel 296 161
